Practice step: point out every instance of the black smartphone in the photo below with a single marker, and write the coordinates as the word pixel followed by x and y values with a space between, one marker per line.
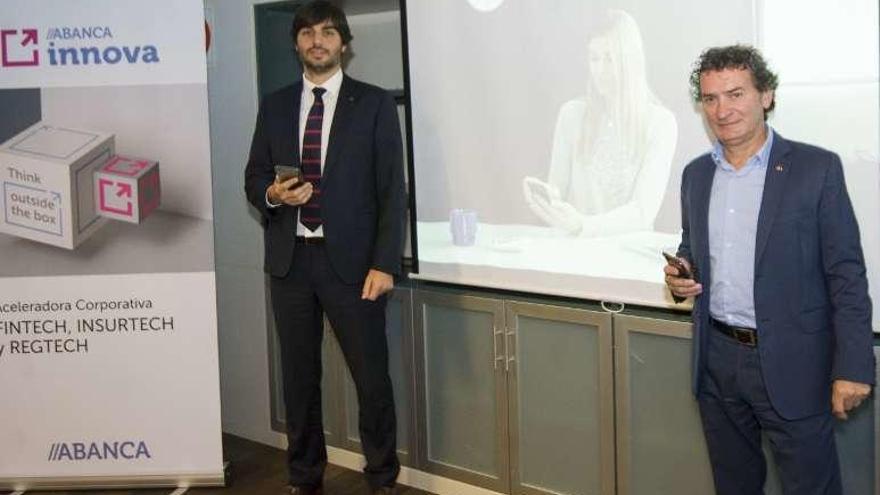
pixel 683 270
pixel 287 172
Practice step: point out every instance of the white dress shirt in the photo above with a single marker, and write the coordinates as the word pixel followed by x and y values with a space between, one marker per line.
pixel 307 98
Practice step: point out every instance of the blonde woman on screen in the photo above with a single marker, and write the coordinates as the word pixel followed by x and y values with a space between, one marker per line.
pixel 612 149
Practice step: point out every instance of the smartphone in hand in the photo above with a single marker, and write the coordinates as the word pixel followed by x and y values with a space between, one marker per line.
pixel 683 271
pixel 679 264
pixel 287 172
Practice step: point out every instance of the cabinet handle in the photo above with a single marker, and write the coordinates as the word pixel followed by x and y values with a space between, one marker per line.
pixel 509 349
pixel 495 356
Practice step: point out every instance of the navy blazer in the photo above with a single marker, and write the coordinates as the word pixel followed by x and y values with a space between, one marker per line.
pixel 812 307
pixel 363 201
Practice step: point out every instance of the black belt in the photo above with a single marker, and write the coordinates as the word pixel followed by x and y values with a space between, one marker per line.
pixel 743 335
pixel 314 241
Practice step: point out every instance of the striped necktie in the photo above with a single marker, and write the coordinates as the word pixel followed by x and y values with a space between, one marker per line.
pixel 310 157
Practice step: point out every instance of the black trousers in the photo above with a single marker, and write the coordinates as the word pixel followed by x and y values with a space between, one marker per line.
pixel 299 301
pixel 735 410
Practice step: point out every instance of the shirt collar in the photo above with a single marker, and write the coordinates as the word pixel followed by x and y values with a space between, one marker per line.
pixel 332 85
pixel 758 161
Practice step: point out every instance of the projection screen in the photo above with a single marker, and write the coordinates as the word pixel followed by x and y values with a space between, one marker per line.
pixel 586 103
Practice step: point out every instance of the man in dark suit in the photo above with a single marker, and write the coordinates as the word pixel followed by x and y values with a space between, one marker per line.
pixel 333 241
pixel 782 318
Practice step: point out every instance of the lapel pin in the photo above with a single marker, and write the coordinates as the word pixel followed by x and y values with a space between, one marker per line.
pixel 351 99
pixel 779 167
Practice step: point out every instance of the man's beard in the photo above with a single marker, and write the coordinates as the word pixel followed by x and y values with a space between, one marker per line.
pixel 320 67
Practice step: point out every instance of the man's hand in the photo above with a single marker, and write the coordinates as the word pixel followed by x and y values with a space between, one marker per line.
pixel 681 287
pixel 376 284
pixel 282 192
pixel 846 395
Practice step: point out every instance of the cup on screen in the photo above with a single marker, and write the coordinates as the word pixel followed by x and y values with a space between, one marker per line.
pixel 463 226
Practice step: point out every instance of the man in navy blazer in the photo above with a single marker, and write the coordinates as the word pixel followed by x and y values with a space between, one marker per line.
pixel 333 241
pixel 782 317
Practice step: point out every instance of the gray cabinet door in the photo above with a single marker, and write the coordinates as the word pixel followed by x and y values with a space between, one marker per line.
pixel 660 445
pixel 560 382
pixel 462 403
pixel 858 445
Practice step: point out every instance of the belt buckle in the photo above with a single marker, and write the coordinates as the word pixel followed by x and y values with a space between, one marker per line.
pixel 309 241
pixel 744 336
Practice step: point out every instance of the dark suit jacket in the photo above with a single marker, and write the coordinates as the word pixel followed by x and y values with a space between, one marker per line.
pixel 362 189
pixel 812 307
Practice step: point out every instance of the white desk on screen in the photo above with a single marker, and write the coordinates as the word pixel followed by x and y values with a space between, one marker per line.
pixel 630 256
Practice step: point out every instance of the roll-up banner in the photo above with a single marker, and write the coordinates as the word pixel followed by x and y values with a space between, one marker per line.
pixel 108 323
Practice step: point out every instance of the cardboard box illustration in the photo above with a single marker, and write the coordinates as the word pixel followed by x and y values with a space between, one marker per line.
pixel 47 182
pixel 127 189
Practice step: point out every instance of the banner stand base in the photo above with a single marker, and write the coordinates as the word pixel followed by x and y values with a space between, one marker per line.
pixel 227 473
pixel 22 485
pixel 179 491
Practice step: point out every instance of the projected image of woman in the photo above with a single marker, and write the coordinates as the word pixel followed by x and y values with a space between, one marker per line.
pixel 612 148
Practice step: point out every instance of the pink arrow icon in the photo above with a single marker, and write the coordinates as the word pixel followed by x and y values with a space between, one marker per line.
pixel 106 186
pixel 30 37
pixel 123 190
pixel 9 60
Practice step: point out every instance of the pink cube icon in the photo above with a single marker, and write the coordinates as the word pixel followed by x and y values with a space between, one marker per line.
pixel 127 188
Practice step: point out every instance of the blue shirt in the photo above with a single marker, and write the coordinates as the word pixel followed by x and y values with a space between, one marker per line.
pixel 733 224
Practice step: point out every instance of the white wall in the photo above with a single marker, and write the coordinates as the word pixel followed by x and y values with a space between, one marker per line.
pixel 376 47
pixel 232 96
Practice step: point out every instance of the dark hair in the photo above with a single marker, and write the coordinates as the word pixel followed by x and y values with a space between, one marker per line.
pixel 319 11
pixel 735 57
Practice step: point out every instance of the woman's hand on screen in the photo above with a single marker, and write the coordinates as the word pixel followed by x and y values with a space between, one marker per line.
pixel 545 201
pixel 559 214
